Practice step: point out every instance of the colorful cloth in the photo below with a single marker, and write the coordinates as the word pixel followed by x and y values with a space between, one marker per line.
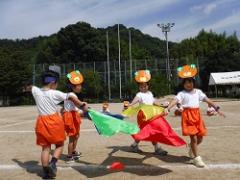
pixel 108 125
pixel 192 122
pixel 157 130
pixel 149 111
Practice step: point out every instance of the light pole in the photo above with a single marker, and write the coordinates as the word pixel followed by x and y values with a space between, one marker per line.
pixel 130 53
pixel 119 65
pixel 108 68
pixel 165 29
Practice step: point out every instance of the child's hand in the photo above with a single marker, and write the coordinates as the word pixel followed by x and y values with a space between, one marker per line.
pixel 221 114
pixel 84 106
pixel 166 111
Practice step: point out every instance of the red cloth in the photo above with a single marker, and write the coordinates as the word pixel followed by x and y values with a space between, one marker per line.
pixel 158 130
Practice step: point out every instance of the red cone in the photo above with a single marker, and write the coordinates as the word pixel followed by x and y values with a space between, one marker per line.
pixel 116 166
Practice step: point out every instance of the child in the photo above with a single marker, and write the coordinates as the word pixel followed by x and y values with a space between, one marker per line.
pixel 105 108
pixel 125 105
pixel 72 115
pixel 192 122
pixel 49 126
pixel 145 96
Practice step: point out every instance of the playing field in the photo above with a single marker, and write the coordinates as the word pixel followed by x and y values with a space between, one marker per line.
pixel 19 156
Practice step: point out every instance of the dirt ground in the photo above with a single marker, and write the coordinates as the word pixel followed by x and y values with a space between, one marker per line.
pixel 20 157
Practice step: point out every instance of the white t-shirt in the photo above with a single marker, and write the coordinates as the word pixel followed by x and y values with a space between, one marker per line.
pixel 47 100
pixel 69 105
pixel 145 98
pixel 190 99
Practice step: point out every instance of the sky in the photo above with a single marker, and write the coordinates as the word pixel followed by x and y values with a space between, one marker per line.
pixel 25 19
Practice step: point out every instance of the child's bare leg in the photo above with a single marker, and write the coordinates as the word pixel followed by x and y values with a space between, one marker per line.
pixel 58 151
pixel 45 155
pixel 70 145
pixel 75 142
pixel 193 144
pixel 199 139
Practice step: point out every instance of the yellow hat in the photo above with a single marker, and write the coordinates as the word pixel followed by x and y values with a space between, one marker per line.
pixel 187 71
pixel 75 77
pixel 142 76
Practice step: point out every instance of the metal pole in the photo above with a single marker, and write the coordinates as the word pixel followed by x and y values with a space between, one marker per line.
pixel 119 65
pixel 165 29
pixel 94 67
pixel 168 65
pixel 34 74
pixel 108 68
pixel 167 55
pixel 130 55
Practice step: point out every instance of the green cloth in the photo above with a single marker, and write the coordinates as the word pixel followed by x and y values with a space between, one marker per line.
pixel 149 111
pixel 108 126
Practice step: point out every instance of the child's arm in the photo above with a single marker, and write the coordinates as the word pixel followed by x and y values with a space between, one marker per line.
pixel 78 103
pixel 212 104
pixel 134 101
pixel 171 105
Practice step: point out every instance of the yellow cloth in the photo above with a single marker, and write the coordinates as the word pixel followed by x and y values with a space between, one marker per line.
pixel 149 111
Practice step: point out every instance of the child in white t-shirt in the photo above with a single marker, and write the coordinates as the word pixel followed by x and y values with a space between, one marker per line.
pixel 72 115
pixel 145 96
pixel 192 122
pixel 49 126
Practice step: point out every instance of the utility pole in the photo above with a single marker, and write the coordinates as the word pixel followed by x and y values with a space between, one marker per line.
pixel 166 28
pixel 119 65
pixel 108 68
pixel 130 54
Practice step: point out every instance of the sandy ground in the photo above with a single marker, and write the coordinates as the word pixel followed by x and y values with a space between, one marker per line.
pixel 19 156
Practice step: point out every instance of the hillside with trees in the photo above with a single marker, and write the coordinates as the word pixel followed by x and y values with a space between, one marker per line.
pixel 81 42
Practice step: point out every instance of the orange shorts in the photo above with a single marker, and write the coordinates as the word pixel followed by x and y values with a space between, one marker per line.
pixel 50 130
pixel 72 121
pixel 192 122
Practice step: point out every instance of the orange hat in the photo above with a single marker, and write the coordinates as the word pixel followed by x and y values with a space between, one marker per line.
pixel 142 76
pixel 75 77
pixel 125 103
pixel 187 71
pixel 105 105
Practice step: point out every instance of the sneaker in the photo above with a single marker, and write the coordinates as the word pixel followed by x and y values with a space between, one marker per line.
pixel 160 152
pixel 70 159
pixel 45 173
pixel 46 176
pixel 190 153
pixel 198 162
pixel 76 154
pixel 52 170
pixel 136 149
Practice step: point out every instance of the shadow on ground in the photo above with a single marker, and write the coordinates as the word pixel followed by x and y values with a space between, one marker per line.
pixel 133 165
pixel 30 166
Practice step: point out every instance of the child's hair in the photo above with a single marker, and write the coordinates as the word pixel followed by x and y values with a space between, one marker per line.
pixel 49 77
pixel 69 86
pixel 192 80
pixel 148 83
